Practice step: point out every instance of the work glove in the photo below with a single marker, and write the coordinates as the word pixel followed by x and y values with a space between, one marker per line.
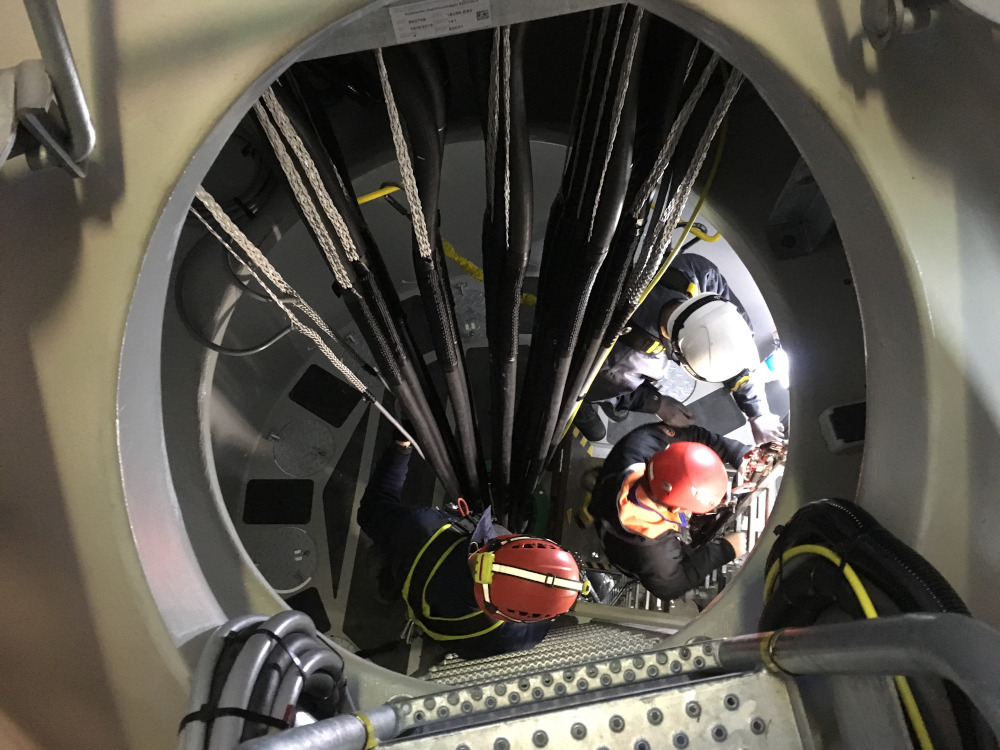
pixel 673 413
pixel 767 428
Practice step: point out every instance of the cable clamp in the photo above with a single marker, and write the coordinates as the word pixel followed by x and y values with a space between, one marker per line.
pixel 371 740
pixel 207 713
pixel 767 653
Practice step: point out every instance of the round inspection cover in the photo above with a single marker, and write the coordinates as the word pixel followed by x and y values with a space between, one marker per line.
pixel 302 447
pixel 285 556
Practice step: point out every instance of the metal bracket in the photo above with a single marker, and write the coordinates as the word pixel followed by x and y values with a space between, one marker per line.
pixel 884 20
pixel 800 218
pixel 43 113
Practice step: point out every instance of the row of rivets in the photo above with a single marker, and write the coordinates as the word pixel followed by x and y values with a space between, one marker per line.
pixel 616 723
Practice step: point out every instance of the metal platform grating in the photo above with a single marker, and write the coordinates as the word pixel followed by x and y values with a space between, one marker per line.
pixel 562 647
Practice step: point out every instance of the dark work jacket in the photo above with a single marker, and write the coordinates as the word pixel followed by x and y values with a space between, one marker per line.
pixel 666 566
pixel 399 532
pixel 686 276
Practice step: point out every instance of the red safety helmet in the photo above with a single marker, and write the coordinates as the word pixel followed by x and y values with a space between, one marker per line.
pixel 687 476
pixel 524 578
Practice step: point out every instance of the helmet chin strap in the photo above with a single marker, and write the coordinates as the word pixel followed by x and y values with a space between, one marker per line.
pixel 643 484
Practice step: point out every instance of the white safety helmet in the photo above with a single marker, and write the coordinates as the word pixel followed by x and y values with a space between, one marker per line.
pixel 711 339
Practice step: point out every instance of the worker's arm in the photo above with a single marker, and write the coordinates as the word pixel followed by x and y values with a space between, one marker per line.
pixel 636 447
pixel 748 392
pixel 730 451
pixel 681 567
pixel 642 442
pixel 377 510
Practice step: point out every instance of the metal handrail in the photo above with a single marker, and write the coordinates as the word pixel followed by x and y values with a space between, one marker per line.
pixel 46 22
pixel 952 646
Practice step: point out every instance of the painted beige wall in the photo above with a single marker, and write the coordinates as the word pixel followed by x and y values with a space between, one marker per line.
pixel 85 658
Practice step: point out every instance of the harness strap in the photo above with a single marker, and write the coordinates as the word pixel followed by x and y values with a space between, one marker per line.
pixel 422 571
pixel 673 279
pixel 546 579
pixel 642 341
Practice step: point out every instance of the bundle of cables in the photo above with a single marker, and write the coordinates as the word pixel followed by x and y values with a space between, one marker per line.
pixel 833 561
pixel 256 675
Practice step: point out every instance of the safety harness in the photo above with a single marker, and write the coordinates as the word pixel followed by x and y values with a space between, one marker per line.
pixel 641 340
pixel 422 571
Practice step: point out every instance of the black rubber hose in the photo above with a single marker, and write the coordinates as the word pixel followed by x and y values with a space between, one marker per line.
pixel 679 164
pixel 578 237
pixel 810 586
pixel 958 649
pixel 418 77
pixel 411 397
pixel 418 374
pixel 912 583
pixel 367 299
pixel 506 246
pixel 661 85
pixel 662 89
pixel 591 104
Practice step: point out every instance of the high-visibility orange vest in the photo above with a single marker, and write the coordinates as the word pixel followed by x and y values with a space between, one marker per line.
pixel 643 517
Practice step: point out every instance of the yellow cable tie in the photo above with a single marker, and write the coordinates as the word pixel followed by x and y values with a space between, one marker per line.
pixel 370 740
pixel 767 653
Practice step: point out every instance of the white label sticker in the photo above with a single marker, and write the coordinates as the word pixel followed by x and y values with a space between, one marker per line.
pixel 432 18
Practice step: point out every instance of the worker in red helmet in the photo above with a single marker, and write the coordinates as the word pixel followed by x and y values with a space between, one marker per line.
pixel 471 584
pixel 653 481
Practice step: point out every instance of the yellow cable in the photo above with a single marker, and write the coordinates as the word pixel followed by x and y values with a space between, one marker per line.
pixel 476 272
pixel 449 250
pixel 902 685
pixel 464 263
pixel 705 237
pixel 375 194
